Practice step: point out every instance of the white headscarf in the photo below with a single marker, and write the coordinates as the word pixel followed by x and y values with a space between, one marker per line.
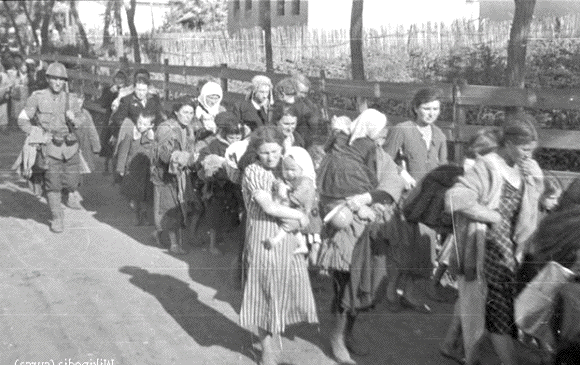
pixel 368 124
pixel 302 158
pixel 207 116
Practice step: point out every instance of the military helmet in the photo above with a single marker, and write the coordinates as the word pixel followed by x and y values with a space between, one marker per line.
pixel 56 69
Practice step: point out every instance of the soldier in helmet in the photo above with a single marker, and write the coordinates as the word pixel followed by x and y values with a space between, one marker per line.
pixel 50 110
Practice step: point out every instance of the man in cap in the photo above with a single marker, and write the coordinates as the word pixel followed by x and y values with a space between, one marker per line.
pixel 50 110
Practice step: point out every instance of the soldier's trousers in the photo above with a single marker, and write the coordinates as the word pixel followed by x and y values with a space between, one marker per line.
pixel 62 174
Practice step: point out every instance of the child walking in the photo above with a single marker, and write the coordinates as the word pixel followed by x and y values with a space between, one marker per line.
pixel 134 163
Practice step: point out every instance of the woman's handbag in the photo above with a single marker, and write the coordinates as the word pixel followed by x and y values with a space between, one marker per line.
pixel 534 307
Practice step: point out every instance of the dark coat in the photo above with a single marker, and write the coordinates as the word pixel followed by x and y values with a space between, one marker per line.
pixel 130 107
pixel 250 116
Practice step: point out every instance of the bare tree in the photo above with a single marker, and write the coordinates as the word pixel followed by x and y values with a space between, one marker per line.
pixel 33 25
pixel 356 41
pixel 82 33
pixel 44 36
pixel 107 23
pixel 517 47
pixel 117 14
pixel 130 9
pixel 266 24
pixel 13 21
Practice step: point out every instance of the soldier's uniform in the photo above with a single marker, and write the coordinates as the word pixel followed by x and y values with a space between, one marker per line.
pixel 59 155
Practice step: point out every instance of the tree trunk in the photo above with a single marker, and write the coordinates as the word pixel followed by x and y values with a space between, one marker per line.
pixel 82 33
pixel 44 36
pixel 33 26
pixel 517 47
pixel 106 34
pixel 16 30
pixel 118 18
pixel 133 30
pixel 356 41
pixel 266 24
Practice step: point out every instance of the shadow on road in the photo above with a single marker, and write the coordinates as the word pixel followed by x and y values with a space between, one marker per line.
pixel 206 326
pixel 23 205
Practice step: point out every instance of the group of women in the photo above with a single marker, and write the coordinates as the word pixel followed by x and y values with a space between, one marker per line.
pixel 229 163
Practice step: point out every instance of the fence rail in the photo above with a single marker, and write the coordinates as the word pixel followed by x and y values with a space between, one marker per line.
pixel 461 96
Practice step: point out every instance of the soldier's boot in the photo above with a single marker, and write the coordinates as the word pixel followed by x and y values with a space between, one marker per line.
pixel 73 200
pixel 57 222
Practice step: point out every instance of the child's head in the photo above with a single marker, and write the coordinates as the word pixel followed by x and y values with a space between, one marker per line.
pixel 229 127
pixel 552 191
pixel 145 122
pixel 291 170
pixel 484 142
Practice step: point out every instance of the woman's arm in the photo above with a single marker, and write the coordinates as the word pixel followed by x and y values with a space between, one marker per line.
pixel 394 141
pixel 465 196
pixel 273 209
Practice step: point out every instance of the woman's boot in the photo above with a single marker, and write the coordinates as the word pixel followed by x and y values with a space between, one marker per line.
pixel 54 200
pixel 337 344
pixel 355 347
pixel 176 243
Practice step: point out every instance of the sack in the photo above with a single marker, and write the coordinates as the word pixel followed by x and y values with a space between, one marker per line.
pixel 534 307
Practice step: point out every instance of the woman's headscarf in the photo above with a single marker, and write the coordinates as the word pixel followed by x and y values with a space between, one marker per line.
pixel 302 159
pixel 368 124
pixel 258 81
pixel 210 88
pixel 205 113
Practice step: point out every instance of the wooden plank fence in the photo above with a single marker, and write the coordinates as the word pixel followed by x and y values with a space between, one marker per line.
pixel 460 96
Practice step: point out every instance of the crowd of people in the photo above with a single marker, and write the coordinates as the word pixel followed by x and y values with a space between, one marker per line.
pixel 374 204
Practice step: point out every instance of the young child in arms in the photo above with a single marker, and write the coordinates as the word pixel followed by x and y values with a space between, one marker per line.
pixel 297 191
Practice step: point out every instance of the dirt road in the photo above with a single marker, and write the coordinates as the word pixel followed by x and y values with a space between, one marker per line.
pixel 102 293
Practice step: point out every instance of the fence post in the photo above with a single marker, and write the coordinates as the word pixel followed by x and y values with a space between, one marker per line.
pixel 223 79
pixel 79 69
pixel 324 96
pixel 459 119
pixel 166 79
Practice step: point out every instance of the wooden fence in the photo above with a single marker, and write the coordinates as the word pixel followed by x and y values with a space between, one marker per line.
pixel 460 96
pixel 294 44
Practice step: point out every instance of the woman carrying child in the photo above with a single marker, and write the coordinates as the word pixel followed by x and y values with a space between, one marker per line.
pixel 173 196
pixel 277 290
pixel 358 174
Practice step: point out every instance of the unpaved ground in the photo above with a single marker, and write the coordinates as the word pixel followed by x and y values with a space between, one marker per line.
pixel 101 291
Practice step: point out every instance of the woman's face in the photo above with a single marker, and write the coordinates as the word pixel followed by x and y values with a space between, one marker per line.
pixel 269 154
pixel 519 153
pixel 380 137
pixel 212 100
pixel 185 114
pixel 288 124
pixel 261 94
pixel 427 113
pixel 141 91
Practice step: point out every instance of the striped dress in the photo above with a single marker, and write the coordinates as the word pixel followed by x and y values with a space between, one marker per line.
pixel 277 291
